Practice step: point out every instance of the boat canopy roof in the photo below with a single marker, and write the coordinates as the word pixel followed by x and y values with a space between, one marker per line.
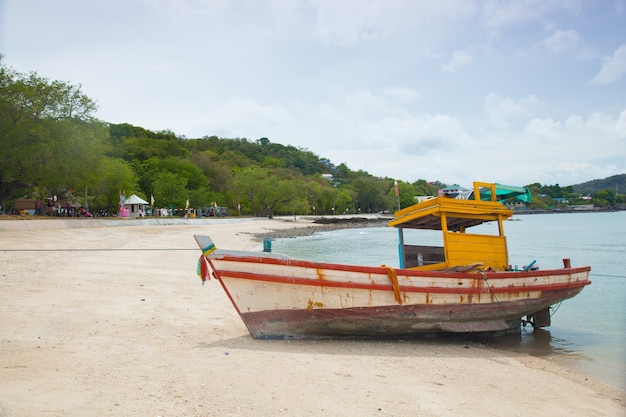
pixel 504 192
pixel 458 213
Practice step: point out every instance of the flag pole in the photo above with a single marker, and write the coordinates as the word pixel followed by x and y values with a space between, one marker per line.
pixel 395 186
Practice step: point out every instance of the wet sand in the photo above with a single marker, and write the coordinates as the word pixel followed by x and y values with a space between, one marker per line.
pixel 109 319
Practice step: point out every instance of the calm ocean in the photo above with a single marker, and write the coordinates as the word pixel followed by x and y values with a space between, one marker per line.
pixel 588 332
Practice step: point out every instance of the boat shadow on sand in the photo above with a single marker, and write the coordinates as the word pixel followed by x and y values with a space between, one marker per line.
pixel 534 342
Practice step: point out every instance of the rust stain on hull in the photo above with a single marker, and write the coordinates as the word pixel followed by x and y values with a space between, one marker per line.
pixel 395 320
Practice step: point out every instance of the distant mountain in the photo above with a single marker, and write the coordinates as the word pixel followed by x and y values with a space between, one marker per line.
pixel 616 183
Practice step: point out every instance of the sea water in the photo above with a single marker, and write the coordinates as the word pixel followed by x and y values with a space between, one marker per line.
pixel 588 332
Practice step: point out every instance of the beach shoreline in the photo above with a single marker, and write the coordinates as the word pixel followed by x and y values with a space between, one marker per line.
pixel 105 318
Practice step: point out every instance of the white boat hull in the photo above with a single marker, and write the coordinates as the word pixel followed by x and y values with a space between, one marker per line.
pixel 277 297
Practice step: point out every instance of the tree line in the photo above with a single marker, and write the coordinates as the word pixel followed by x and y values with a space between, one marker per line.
pixel 549 197
pixel 52 145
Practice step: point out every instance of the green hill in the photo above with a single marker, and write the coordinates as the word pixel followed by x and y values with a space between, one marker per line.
pixel 616 183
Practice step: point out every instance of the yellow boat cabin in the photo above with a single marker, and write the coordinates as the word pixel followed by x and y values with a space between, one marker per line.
pixel 461 250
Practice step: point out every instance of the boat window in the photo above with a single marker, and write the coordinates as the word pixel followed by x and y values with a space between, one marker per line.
pixel 490 228
pixel 423 237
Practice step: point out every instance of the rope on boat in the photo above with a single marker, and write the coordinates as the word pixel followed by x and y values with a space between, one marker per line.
pixel 482 274
pixel 558 305
pixel 393 277
pixel 608 276
pixel 555 309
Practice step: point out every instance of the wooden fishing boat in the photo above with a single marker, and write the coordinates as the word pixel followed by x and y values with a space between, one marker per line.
pixel 464 285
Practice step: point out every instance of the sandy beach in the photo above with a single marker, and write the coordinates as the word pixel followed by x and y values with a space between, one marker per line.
pixel 109 319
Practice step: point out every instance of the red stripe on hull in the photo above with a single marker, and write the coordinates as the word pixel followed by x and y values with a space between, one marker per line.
pixel 478 286
pixel 292 263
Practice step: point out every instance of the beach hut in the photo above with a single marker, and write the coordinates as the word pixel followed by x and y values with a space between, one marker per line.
pixel 136 206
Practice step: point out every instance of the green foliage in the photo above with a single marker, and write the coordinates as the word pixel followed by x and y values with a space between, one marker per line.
pixel 170 190
pixel 550 197
pixel 266 192
pixel 615 182
pixel 608 198
pixel 113 176
pixel 342 202
pixel 406 194
pixel 54 143
pixel 423 188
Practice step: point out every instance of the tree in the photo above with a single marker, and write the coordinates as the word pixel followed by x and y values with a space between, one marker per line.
pixel 269 192
pixel 327 200
pixel 114 175
pixel 369 192
pixel 343 202
pixel 170 189
pixel 49 130
pixel 423 188
pixel 406 194
pixel 217 172
pixel 250 184
pixel 604 198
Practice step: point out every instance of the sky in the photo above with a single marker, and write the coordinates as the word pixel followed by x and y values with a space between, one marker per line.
pixel 514 92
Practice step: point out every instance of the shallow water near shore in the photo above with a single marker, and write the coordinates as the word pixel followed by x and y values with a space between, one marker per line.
pixel 588 332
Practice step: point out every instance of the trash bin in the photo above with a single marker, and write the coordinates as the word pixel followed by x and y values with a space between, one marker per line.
pixel 267 244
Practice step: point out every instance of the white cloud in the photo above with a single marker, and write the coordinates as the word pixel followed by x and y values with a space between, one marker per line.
pixel 561 40
pixel 184 9
pixel 244 118
pixel 620 126
pixel 350 22
pixel 347 23
pixel 497 13
pixel 613 68
pixel 503 13
pixel 458 60
pixel 504 112
pixel 428 134
pixel 587 53
pixel 543 131
pixel 599 128
pixel 401 94
pixel 568 151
